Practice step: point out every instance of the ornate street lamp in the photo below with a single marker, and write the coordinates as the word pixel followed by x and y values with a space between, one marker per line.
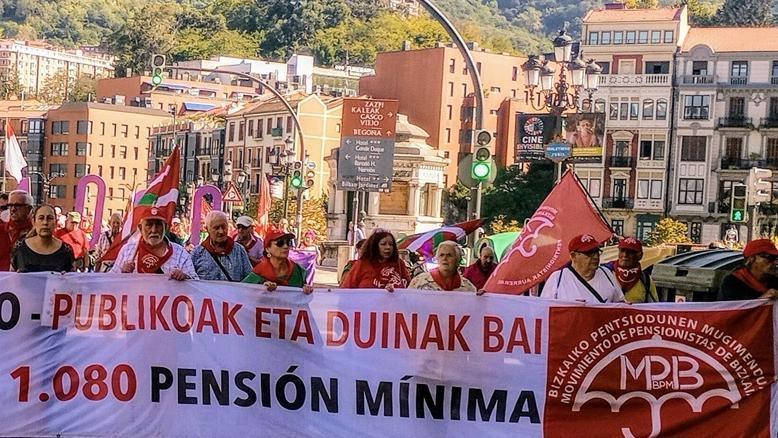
pixel 563 95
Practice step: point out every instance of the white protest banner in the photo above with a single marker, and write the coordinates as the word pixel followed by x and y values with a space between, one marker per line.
pixel 140 355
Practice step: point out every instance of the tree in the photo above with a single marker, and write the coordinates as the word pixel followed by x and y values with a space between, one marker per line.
pixel 668 230
pixel 149 30
pixel 701 14
pixel 83 89
pixel 746 13
pixel 10 86
pixel 517 194
pixel 502 225
pixel 55 88
pixel 642 4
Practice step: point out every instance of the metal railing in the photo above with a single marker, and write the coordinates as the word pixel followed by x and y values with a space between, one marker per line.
pixel 737 163
pixel 735 122
pixel 698 79
pixel 620 203
pixel 636 80
pixel 618 161
pixel 738 80
pixel 769 122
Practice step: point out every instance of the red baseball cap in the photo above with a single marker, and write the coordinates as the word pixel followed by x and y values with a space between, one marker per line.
pixel 760 246
pixel 631 244
pixel 583 243
pixel 275 234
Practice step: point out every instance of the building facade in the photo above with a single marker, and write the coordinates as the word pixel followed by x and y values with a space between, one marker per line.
pixel 27 121
pixel 435 91
pixel 94 138
pixel 727 123
pixel 636 50
pixel 32 62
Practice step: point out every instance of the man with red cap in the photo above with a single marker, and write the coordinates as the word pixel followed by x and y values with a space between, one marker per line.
pixel 635 283
pixel 583 279
pixel 758 278
pixel 152 252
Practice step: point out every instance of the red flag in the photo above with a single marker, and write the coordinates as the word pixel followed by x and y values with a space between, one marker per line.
pixel 263 205
pixel 541 248
pixel 160 196
pixel 426 243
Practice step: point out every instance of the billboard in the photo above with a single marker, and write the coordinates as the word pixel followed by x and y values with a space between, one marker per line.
pixel 585 133
pixel 533 133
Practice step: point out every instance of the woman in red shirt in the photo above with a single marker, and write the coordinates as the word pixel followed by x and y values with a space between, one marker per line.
pixel 379 266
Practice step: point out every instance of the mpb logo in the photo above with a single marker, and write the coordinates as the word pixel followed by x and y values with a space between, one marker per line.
pixel 677 373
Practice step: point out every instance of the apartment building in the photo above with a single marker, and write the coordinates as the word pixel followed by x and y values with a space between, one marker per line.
pixel 259 135
pixel 636 49
pixel 32 62
pixel 435 91
pixel 727 123
pixel 94 138
pixel 27 120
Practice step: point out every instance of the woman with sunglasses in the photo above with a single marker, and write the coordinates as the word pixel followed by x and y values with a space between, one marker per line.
pixel 275 269
pixel 758 278
pixel 41 251
pixel 379 266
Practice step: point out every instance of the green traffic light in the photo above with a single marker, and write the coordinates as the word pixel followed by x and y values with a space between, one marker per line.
pixel 481 170
pixel 297 182
pixel 156 80
pixel 737 215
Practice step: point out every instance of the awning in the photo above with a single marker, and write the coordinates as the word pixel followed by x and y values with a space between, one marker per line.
pixel 169 86
pixel 195 106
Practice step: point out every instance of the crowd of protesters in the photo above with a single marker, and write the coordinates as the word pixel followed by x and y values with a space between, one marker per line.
pixel 43 239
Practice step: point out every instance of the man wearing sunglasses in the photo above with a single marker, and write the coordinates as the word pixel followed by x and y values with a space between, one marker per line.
pixel 20 206
pixel 758 278
pixel 583 279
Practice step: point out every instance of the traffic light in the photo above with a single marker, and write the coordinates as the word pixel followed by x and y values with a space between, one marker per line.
pixel 157 69
pixel 759 186
pixel 481 168
pixel 297 175
pixel 737 206
pixel 310 178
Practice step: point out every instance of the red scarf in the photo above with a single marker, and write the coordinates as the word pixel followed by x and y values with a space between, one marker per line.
pixel 148 262
pixel 208 245
pixel 452 283
pixel 266 270
pixel 628 278
pixel 744 275
pixel 17 229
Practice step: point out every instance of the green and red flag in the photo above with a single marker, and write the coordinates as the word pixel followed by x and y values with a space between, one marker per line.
pixel 426 243
pixel 159 199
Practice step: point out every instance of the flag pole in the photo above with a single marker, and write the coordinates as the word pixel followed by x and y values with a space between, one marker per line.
pixel 5 154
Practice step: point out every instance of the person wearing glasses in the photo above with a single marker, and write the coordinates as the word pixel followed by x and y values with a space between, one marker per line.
pixel 583 279
pixel 249 239
pixel 758 278
pixel 19 224
pixel 41 251
pixel 275 269
pixel 217 257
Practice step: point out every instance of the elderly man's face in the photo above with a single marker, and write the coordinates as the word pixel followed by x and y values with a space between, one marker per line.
pixel 152 231
pixel 217 230
pixel 19 209
pixel 116 225
pixel 487 256
pixel 448 258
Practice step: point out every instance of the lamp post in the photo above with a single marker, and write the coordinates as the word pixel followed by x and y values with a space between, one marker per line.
pixel 244 177
pixel 46 181
pixel 544 94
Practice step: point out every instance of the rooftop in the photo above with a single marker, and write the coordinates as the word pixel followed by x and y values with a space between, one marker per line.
pixel 733 39
pixel 605 15
pixel 76 106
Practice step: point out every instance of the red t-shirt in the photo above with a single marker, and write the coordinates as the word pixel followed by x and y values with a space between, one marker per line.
pixel 10 233
pixel 367 275
pixel 76 239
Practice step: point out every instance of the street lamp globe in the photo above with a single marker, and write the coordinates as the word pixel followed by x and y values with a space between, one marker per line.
pixel 273 156
pixel 241 177
pixel 200 181
pixel 214 177
pixel 593 71
pixel 532 71
pixel 563 47
pixel 577 70
pixel 546 78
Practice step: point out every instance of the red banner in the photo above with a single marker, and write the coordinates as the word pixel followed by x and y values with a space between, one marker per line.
pixel 542 246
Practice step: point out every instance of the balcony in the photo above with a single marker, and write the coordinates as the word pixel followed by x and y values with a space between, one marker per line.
pixel 277 132
pixel 639 80
pixel 736 163
pixel 738 80
pixel 698 79
pixel 615 161
pixel 202 152
pixel 736 122
pixel 618 203
pixel 769 123
pixel 774 80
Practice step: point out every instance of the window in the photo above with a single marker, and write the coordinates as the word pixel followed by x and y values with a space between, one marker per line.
pixel 606 67
pixel 57 192
pixel 630 37
pixel 100 170
pixel 83 127
pixel 59 149
pixel 725 195
pixel 450 109
pixel 102 128
pixel 669 36
pixel 733 149
pixel 661 109
pixel 623 110
pixel 643 37
pixel 241 130
pixel 645 227
pixel 657 67
pixel 231 135
pixel 122 173
pixel 135 150
pixel 772 149
pixel 494 89
pixel 737 107
pixel 774 73
pixel 696 107
pixel 605 38
pixel 650 189
pixel 693 148
pixel 81 170
pixel 125 130
pixel 110 172
pixel 269 127
pixel 81 149
pixel 599 106
pixel 113 151
pixel 123 152
pixel 251 128
pixel 451 89
pixel 656 36
pixel 699 68
pixel 448 135
pixel 618 37
pixel 279 122
pixel 690 191
pixel 634 109
pixel 515 74
pixel 620 189
pixel 113 125
pixel 58 169
pixel 60 127
pixel 464 90
pixel 137 131
pixel 452 65
pixel 260 127
pixel 289 124
pixel 478 66
pixel 594 38
pixel 739 73
pixel 648 109
pixel 618 226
